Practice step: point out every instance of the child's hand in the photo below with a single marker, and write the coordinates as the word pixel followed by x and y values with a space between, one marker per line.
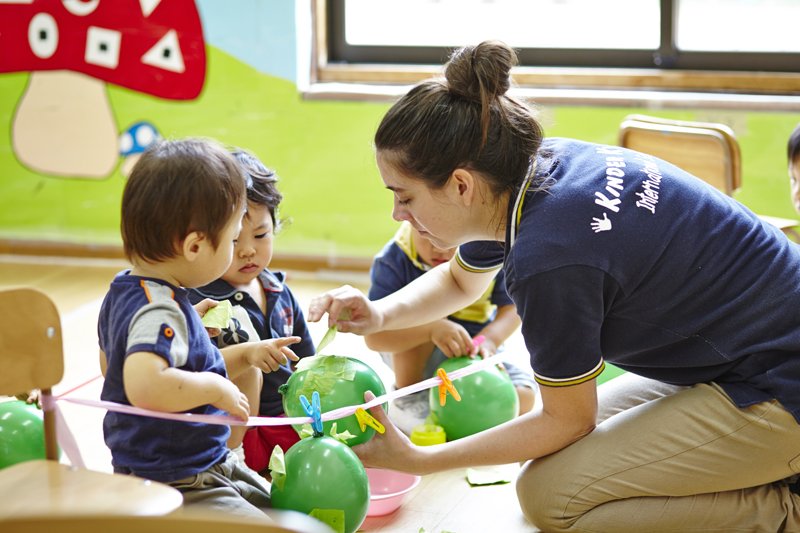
pixel 202 308
pixel 487 347
pixel 232 400
pixel 31 397
pixel 451 338
pixel 271 354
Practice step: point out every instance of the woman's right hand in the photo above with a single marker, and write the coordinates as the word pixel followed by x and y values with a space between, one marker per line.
pixel 354 312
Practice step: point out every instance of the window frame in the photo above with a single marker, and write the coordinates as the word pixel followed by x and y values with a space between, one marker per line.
pixel 627 77
pixel 667 57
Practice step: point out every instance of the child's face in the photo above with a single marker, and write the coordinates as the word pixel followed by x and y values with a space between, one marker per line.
pixel 253 249
pixel 428 252
pixel 219 260
pixel 794 180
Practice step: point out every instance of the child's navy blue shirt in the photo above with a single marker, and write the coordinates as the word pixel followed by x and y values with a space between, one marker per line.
pixel 284 318
pixel 149 315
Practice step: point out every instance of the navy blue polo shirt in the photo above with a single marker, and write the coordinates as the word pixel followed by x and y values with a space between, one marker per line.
pixel 150 315
pixel 284 318
pixel 617 256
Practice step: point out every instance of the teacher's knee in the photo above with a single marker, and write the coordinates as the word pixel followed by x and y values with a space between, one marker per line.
pixel 539 497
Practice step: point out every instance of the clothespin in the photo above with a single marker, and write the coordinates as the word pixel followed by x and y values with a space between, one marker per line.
pixel 365 419
pixel 314 411
pixel 446 386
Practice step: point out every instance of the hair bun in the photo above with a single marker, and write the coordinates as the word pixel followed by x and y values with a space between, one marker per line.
pixel 484 68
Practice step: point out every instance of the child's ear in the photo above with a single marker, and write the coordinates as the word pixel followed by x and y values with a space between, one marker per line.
pixel 193 244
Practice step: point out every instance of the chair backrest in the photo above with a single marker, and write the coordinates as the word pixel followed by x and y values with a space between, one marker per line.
pixel 31 351
pixel 707 150
pixel 180 522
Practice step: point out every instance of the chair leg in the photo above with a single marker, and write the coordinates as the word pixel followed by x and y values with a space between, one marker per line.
pixel 50 441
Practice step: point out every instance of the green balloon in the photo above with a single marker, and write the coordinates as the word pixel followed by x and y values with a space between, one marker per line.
pixel 488 398
pixel 21 433
pixel 340 381
pixel 324 478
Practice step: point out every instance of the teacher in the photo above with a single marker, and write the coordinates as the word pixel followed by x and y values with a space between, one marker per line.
pixel 609 255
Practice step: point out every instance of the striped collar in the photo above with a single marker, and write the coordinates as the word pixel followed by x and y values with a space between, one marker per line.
pixel 404 240
pixel 516 213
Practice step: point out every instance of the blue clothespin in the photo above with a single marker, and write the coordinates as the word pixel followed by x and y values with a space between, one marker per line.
pixel 313 410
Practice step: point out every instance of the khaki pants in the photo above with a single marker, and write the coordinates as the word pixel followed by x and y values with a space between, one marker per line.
pixel 669 458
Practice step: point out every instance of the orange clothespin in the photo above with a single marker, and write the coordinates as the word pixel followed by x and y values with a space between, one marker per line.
pixel 365 419
pixel 446 386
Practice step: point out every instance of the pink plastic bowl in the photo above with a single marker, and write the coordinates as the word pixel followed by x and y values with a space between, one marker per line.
pixel 387 489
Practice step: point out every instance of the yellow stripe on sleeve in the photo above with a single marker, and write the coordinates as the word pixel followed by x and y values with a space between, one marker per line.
pixel 470 268
pixel 567 382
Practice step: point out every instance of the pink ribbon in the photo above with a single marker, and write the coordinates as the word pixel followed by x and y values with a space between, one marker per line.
pixel 334 414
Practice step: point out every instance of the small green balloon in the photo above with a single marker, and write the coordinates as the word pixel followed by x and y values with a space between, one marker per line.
pixel 21 433
pixel 324 477
pixel 488 398
pixel 340 381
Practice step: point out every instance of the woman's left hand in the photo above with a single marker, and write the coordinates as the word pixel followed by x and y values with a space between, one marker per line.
pixel 391 450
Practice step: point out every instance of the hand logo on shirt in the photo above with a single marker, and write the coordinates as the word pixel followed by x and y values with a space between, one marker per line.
pixel 235 333
pixel 601 224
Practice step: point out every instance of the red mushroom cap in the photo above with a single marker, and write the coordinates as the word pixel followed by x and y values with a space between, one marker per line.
pixel 152 46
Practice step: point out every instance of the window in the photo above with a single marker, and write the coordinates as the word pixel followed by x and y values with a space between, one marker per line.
pixel 449 23
pixel 740 46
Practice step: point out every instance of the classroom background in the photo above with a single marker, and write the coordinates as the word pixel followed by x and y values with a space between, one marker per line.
pixel 251 96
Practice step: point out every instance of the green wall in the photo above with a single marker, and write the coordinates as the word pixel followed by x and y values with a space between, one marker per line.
pixel 322 152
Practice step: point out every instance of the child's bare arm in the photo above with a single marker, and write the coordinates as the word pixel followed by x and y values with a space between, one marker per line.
pixel 400 340
pixel 151 383
pixel 505 322
pixel 267 355
pixel 103 363
pixel 449 336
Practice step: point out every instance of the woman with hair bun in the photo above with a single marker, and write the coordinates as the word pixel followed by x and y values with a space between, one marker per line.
pixel 609 255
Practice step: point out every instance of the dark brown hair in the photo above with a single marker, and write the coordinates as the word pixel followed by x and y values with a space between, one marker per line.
pixel 793 146
pixel 262 182
pixel 178 187
pixel 466 120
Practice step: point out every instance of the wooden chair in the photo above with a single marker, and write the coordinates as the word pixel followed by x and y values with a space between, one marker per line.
pixel 183 522
pixel 31 357
pixel 707 150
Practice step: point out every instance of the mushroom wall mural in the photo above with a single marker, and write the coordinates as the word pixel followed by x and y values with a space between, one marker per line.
pixel 64 124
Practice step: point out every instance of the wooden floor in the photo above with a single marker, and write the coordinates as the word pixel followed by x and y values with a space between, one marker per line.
pixel 443 502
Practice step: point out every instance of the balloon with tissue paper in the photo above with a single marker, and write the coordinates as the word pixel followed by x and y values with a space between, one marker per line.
pixel 340 381
pixel 488 398
pixel 323 478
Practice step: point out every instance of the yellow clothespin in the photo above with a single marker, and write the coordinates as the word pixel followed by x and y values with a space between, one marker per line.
pixel 445 386
pixel 365 419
